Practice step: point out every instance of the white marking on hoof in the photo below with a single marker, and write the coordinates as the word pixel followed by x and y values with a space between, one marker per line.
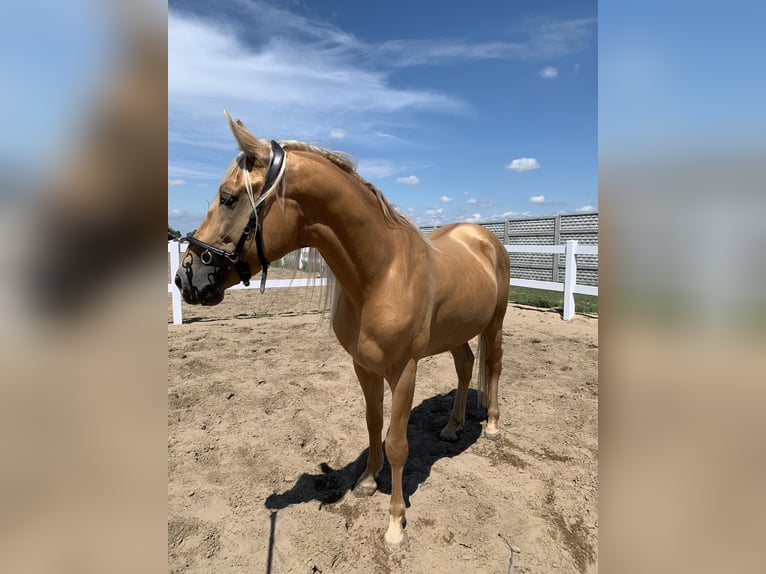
pixel 493 436
pixel 396 538
pixel 363 490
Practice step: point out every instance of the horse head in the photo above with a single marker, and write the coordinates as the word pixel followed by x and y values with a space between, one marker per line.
pixel 249 224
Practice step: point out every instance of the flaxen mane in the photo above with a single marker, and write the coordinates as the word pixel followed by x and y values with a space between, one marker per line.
pixel 249 144
pixel 343 161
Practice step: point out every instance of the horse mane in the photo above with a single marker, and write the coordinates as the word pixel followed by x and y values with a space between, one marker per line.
pixel 344 162
pixel 250 145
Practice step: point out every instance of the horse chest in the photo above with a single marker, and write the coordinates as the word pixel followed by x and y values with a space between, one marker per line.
pixel 377 343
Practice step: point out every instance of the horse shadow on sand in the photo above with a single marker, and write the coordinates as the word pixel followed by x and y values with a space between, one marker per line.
pixel 426 422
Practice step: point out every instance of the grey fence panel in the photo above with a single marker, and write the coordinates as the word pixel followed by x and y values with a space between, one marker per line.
pixel 584 276
pixel 587 221
pixel 582 238
pixel 543 226
pixel 554 230
pixel 531 240
pixel 531 273
pixel 498 228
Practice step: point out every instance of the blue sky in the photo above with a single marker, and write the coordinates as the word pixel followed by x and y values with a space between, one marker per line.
pixel 681 78
pixel 455 113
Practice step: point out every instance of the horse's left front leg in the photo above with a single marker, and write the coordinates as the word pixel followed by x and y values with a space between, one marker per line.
pixel 397 449
pixel 372 386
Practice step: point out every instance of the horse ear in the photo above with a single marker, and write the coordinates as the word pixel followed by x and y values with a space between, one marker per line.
pixel 248 143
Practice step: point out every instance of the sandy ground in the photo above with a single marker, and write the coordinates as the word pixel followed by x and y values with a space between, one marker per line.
pixel 266 436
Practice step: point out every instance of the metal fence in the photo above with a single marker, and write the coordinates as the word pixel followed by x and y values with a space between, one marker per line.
pixel 553 230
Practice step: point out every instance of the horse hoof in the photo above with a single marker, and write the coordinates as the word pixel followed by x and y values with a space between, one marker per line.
pixel 449 436
pixel 401 545
pixel 362 491
pixel 493 436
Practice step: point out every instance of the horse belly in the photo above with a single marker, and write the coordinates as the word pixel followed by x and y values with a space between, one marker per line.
pixel 451 329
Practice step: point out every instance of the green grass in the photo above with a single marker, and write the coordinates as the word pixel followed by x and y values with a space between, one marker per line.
pixel 551 299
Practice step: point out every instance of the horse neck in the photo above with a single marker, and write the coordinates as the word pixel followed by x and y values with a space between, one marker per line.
pixel 344 221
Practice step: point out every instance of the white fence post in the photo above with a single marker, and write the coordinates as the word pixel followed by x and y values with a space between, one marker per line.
pixel 174 248
pixel 570 286
pixel 570 279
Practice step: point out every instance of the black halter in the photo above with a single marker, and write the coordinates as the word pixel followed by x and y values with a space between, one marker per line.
pixel 241 265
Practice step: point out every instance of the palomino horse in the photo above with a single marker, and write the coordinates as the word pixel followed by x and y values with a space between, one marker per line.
pixel 399 297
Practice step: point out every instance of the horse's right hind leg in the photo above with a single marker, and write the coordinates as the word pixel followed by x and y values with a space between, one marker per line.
pixel 494 364
pixel 463 357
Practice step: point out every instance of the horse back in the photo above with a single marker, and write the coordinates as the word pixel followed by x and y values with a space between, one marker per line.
pixel 471 248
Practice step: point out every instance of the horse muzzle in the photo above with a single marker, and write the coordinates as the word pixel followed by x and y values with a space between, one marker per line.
pixel 207 296
pixel 210 292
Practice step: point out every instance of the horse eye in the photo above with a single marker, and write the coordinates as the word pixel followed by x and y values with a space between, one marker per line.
pixel 228 199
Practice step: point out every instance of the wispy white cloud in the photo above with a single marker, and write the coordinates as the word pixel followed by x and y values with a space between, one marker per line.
pixel 426 219
pixel 377 168
pixel 585 209
pixel 474 218
pixel 184 220
pixel 175 182
pixel 550 39
pixel 511 214
pixel 283 87
pixel 445 199
pixel 404 53
pixel 523 164
pixel 538 199
pixel 312 76
pixel 549 72
pixel 539 41
pixel 475 202
pixel 199 171
pixel 408 180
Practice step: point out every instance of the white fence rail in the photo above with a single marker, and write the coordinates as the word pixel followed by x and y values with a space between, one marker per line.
pixel 569 287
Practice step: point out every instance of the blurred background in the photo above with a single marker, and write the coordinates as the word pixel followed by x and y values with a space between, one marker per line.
pixel 682 331
pixel 83 160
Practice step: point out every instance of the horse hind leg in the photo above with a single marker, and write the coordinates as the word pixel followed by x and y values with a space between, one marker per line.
pixel 491 355
pixel 463 357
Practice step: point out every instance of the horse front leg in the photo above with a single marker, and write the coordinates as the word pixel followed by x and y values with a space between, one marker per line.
pixel 397 449
pixel 372 387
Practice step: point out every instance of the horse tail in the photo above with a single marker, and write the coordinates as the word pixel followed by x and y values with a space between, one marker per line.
pixel 483 372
